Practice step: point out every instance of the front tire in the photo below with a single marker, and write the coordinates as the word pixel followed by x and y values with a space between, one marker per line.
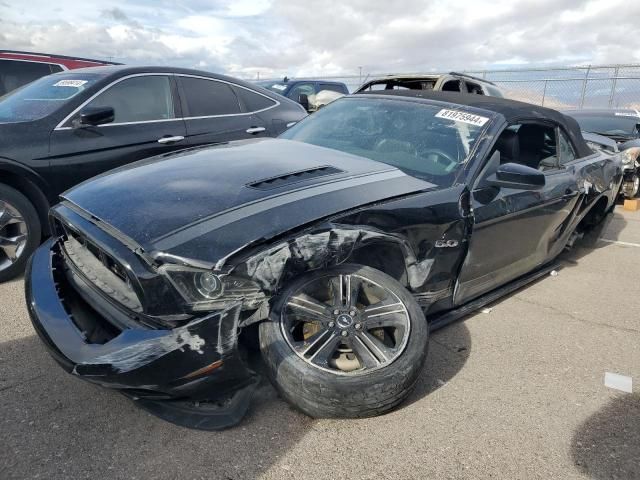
pixel 20 232
pixel 325 372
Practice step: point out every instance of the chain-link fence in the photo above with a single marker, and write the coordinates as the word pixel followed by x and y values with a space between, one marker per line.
pixel 591 86
pixel 596 86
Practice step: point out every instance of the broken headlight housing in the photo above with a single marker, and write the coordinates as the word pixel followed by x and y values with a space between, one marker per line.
pixel 207 290
pixel 628 157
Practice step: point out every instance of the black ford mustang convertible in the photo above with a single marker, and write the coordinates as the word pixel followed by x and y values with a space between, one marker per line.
pixel 343 242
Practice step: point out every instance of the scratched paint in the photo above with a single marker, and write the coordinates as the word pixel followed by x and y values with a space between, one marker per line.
pixel 135 356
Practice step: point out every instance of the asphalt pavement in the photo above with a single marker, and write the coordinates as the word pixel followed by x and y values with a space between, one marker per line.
pixel 515 391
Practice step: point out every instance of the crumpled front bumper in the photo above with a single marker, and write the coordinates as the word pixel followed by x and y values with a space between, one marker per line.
pixel 197 361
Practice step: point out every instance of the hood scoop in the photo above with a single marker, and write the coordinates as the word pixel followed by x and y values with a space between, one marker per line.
pixel 294 177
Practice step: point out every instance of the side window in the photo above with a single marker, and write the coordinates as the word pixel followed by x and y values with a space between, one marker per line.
pixel 138 99
pixel 206 98
pixel 567 153
pixel 378 86
pixel 474 88
pixel 307 89
pixel 529 144
pixel 333 88
pixel 15 73
pixel 451 86
pixel 493 91
pixel 253 101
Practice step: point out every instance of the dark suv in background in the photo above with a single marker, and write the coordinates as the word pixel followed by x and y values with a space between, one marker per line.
pixel 20 68
pixel 311 94
pixel 67 127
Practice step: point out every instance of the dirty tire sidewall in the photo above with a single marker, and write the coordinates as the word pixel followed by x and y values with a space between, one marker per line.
pixel 323 394
pixel 34 230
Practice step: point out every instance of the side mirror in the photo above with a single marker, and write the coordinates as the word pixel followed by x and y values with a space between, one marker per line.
pixel 514 175
pixel 304 101
pixel 93 116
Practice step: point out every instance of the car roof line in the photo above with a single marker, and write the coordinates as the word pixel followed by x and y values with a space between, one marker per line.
pixel 54 56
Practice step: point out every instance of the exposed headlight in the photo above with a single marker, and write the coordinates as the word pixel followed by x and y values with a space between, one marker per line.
pixel 208 285
pixel 206 290
pixel 628 157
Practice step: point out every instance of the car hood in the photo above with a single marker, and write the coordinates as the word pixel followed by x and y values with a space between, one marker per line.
pixel 207 203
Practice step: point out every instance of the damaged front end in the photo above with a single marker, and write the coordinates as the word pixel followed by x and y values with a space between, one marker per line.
pixel 111 327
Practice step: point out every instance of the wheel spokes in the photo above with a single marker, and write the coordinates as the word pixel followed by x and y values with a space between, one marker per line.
pixel 7 216
pixel 326 349
pixel 381 352
pixel 387 313
pixel 346 324
pixel 346 289
pixel 363 351
pixel 12 246
pixel 307 306
pixel 310 345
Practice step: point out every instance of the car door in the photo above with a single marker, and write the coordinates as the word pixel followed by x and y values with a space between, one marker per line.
pixel 265 114
pixel 213 113
pixel 146 122
pixel 517 230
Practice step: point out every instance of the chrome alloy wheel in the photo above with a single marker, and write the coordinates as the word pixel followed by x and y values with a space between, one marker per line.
pixel 13 235
pixel 345 324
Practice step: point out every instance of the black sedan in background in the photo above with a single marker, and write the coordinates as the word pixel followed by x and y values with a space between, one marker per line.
pixel 67 127
pixel 345 240
pixel 622 126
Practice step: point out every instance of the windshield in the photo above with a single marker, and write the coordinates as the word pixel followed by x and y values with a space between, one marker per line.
pixel 277 87
pixel 622 124
pixel 423 140
pixel 43 96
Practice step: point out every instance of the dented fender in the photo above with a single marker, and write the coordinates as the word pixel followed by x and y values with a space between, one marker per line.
pixel 429 243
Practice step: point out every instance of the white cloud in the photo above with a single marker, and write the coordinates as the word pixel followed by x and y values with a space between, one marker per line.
pixel 279 37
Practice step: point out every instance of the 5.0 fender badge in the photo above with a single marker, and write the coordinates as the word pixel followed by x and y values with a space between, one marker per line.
pixel 446 243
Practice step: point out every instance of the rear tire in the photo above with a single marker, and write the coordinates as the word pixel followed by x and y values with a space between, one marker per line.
pixel 20 232
pixel 371 389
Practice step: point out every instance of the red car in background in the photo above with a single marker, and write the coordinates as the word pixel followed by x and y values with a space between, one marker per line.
pixel 20 68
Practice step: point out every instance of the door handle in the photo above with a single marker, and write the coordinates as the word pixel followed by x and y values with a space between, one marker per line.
pixel 254 130
pixel 174 139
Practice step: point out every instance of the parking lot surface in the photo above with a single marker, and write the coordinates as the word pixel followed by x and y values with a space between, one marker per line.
pixel 515 391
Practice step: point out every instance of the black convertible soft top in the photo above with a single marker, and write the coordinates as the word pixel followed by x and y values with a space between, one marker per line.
pixel 512 110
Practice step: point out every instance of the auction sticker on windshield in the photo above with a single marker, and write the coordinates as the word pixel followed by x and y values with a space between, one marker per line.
pixel 70 83
pixel 464 117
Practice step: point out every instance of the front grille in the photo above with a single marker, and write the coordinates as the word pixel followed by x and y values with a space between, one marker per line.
pixel 100 269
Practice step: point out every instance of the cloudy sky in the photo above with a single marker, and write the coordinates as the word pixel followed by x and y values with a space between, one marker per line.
pixel 277 37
